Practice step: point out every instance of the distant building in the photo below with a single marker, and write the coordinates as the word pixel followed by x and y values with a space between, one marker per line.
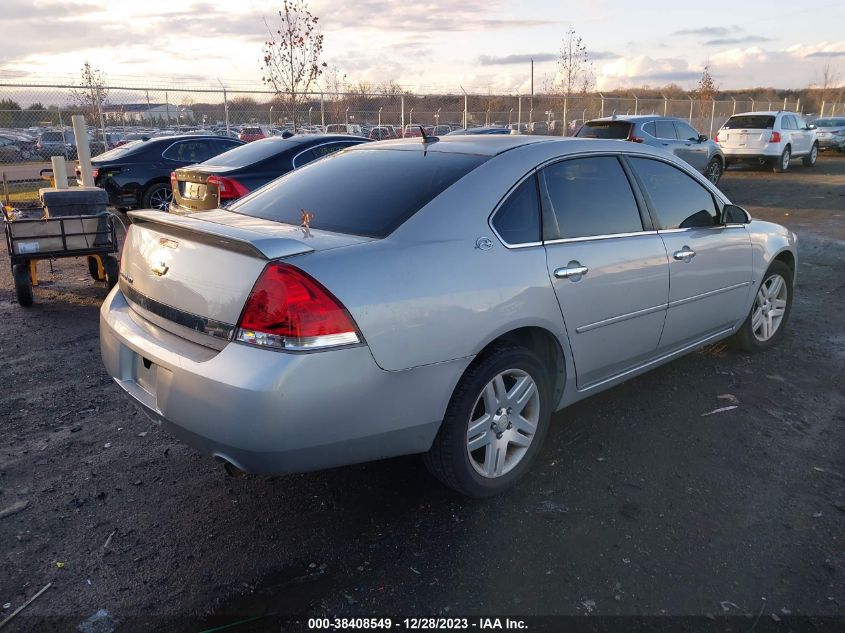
pixel 138 112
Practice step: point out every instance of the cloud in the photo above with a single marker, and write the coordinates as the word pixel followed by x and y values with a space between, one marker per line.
pixel 746 39
pixel 487 60
pixel 709 31
pixel 827 54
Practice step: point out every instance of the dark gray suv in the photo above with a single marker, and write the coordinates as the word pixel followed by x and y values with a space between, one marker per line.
pixel 673 135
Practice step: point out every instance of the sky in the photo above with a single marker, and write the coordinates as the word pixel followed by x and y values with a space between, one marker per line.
pixel 433 45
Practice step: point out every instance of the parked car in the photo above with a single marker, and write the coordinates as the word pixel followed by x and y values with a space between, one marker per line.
pixel 539 127
pixel 10 152
pixel 479 130
pixel 138 174
pixel 311 325
pixel 381 133
pixel 768 138
pixel 344 128
pixel 56 143
pixel 830 133
pixel 235 173
pixel 252 133
pixel 673 135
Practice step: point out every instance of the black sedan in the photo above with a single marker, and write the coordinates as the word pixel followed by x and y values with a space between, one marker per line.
pixel 138 174
pixel 243 169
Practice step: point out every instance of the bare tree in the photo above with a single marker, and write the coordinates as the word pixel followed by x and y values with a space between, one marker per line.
pixel 291 54
pixel 827 88
pixel 575 69
pixel 91 95
pixel 706 92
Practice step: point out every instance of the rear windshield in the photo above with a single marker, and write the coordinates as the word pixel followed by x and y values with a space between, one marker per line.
pixel 750 122
pixel 829 122
pixel 251 153
pixel 53 137
pixel 127 149
pixel 604 129
pixel 251 130
pixel 360 192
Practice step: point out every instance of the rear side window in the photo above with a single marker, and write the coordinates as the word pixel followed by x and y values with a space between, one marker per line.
pixel 649 128
pixel 318 152
pixel 189 151
pixel 665 129
pixel 678 200
pixel 363 192
pixel 788 123
pixel 750 122
pixel 247 154
pixel 586 197
pixel 605 129
pixel 518 219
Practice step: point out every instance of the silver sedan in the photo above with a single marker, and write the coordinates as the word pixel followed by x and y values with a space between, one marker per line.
pixel 441 297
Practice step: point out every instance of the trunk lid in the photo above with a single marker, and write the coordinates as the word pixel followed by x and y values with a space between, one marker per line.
pixel 191 190
pixel 192 276
pixel 745 139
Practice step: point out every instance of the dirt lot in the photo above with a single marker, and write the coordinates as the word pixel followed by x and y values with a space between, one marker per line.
pixel 639 505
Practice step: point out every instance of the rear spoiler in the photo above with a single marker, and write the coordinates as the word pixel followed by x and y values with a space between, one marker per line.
pixel 251 243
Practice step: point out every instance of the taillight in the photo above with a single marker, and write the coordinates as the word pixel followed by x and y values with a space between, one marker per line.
pixel 227 188
pixel 173 182
pixel 775 137
pixel 716 138
pixel 289 310
pixel 95 172
pixel 634 139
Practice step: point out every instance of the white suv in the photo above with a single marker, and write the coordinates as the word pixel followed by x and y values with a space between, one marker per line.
pixel 768 138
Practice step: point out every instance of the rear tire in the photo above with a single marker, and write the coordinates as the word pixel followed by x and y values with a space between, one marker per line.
pixel 713 171
pixel 746 338
pixel 810 159
pixel 112 268
pixel 497 379
pixel 782 163
pixel 23 284
pixel 92 268
pixel 157 196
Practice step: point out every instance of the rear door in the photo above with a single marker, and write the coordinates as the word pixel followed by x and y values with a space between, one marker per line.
pixel 709 264
pixel 609 270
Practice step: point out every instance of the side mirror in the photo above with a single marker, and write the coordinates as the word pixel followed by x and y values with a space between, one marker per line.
pixel 733 214
pixel 703 138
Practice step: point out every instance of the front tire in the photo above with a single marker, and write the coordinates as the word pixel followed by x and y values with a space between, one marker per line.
pixel 782 163
pixel 495 424
pixel 770 311
pixel 810 159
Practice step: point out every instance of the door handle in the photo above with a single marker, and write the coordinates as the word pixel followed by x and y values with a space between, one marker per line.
pixel 684 255
pixel 571 272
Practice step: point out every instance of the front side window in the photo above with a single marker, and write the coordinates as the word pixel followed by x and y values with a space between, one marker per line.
pixel 518 219
pixel 677 199
pixel 685 131
pixel 665 129
pixel 586 197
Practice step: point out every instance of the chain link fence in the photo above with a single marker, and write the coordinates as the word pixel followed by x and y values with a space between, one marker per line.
pixel 35 118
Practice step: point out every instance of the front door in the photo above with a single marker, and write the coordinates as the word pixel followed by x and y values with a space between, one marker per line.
pixel 709 264
pixel 693 151
pixel 610 275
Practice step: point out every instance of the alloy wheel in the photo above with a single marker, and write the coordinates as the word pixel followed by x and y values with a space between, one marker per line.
pixel 503 423
pixel 785 160
pixel 161 199
pixel 714 172
pixel 769 308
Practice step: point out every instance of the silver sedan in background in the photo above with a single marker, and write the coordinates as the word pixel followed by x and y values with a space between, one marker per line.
pixel 441 297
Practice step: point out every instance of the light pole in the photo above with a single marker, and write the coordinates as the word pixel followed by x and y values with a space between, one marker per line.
pixel 437 117
pixel 309 115
pixel 379 116
pixel 347 115
pixel 271 116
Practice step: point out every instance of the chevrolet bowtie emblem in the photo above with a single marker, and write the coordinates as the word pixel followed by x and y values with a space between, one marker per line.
pixel 160 269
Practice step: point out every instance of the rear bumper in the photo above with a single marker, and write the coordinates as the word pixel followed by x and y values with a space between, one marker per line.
pixel 831 143
pixel 274 412
pixel 750 154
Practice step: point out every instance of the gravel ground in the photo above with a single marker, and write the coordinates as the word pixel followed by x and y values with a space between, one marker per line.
pixel 639 505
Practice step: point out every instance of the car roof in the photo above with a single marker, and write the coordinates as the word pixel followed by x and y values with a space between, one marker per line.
pixel 636 117
pixel 762 113
pixel 495 144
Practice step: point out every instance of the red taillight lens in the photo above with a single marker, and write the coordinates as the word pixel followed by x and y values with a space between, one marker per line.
pixel 173 182
pixel 775 137
pixel 227 188
pixel 94 173
pixel 716 138
pixel 634 139
pixel 287 309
